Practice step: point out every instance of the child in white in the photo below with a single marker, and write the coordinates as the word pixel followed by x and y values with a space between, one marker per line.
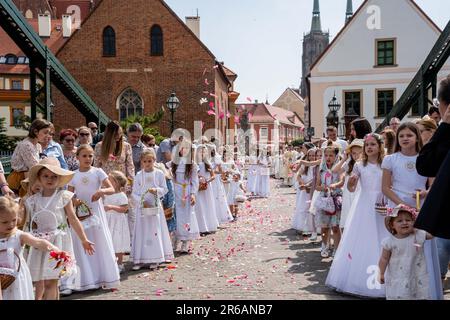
pixel 401 183
pixel 353 269
pixel 185 172
pixel 90 185
pixel 236 188
pixel 303 219
pixel 263 177
pixel 205 209
pixel 49 213
pixel 404 258
pixel 116 207
pixel 12 242
pixel 151 242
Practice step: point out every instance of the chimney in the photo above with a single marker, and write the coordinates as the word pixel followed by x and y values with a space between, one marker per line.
pixel 193 23
pixel 45 25
pixel 67 25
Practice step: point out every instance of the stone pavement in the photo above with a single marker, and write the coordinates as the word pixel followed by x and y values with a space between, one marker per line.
pixel 257 257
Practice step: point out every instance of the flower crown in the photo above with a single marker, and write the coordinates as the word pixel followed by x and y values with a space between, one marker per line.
pixel 376 136
pixel 393 212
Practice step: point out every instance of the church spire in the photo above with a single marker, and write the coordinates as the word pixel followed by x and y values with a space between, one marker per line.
pixel 316 25
pixel 349 12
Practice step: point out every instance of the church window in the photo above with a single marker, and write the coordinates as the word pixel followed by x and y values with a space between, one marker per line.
pixel 130 104
pixel 109 42
pixel 157 41
pixel 386 52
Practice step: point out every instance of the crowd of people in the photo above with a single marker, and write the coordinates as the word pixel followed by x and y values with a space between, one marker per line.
pixel 94 198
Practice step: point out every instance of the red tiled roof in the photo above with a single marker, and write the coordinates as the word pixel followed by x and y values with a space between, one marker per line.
pixel 7 45
pixel 264 113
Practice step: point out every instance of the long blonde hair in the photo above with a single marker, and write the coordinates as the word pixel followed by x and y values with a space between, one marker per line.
pixel 9 205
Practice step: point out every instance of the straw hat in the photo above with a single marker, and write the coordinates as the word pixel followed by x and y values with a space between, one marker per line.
pixel 393 213
pixel 356 143
pixel 54 166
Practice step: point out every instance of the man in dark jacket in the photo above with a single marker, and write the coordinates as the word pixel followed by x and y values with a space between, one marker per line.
pixel 434 161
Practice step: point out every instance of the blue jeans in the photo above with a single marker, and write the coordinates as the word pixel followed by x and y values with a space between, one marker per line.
pixel 443 246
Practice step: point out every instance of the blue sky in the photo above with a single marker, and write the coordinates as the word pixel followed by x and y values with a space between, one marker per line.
pixel 261 39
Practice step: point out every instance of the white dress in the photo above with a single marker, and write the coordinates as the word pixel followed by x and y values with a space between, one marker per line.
pixel 205 209
pixel 220 197
pixel 235 189
pixel 303 219
pixel 151 242
pixel 187 226
pixel 263 177
pixel 118 223
pixel 347 199
pixel 405 182
pixel 100 269
pixel 22 287
pixel 41 209
pixel 406 275
pixel 252 174
pixel 355 265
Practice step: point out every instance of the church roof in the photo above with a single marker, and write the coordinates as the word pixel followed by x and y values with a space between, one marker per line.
pixel 265 113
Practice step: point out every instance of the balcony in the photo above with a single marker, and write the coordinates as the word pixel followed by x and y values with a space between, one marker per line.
pixel 14 95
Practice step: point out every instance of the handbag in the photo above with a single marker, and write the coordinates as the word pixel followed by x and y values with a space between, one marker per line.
pixel 381 205
pixel 203 184
pixel 83 211
pixel 168 213
pixel 326 204
pixel 8 270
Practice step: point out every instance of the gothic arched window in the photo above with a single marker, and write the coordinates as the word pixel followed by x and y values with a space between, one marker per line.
pixel 109 42
pixel 130 104
pixel 157 41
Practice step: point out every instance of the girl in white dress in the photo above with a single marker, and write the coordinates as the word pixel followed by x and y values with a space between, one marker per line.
pixel 402 184
pixel 252 174
pixel 263 180
pixel 186 183
pixel 228 167
pixel 303 219
pixel 236 188
pixel 354 266
pixel 116 207
pixel 90 185
pixel 205 208
pixel 151 242
pixel 12 242
pixel 220 197
pixel 50 212
pixel 404 258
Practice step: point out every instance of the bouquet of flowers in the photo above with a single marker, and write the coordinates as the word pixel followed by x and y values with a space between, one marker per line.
pixel 63 261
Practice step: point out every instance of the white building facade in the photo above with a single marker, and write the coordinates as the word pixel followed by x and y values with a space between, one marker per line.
pixel 371 61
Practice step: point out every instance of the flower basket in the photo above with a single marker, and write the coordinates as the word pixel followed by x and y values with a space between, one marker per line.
pixel 168 213
pixel 8 270
pixel 203 184
pixel 83 211
pixel 225 177
pixel 44 224
pixel 381 205
pixel 149 209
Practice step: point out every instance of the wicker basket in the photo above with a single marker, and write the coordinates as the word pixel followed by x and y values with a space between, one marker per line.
pixel 147 210
pixel 203 184
pixel 168 213
pixel 381 205
pixel 8 275
pixel 83 211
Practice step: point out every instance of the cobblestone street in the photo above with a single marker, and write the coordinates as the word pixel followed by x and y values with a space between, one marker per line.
pixel 257 257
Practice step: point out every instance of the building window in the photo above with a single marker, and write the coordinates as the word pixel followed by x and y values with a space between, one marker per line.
pixel 264 133
pixel 385 102
pixel 109 42
pixel 385 52
pixel 16 85
pixel 157 43
pixel 16 116
pixel 352 99
pixel 130 104
pixel 415 109
pixel 11 59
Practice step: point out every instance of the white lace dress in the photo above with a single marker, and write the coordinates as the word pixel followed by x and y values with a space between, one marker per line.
pixel 205 209
pixel 22 287
pixel 118 223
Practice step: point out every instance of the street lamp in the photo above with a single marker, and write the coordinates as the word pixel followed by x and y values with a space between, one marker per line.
pixel 173 103
pixel 334 106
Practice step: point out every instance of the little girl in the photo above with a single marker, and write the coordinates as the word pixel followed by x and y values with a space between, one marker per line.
pixel 116 207
pixel 329 182
pixel 303 219
pixel 90 185
pixel 236 188
pixel 402 184
pixel 185 172
pixel 49 212
pixel 404 258
pixel 263 177
pixel 151 241
pixel 12 238
pixel 353 269
pixel 168 202
pixel 205 209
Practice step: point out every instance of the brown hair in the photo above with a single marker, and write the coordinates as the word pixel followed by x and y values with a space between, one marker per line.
pixel 120 178
pixel 148 153
pixel 146 138
pixel 8 205
pixel 109 144
pixel 390 140
pixel 415 129
pixel 189 165
pixel 429 124
pixel 381 153
pixel 84 147
pixel 67 133
pixel 444 90
pixel 38 125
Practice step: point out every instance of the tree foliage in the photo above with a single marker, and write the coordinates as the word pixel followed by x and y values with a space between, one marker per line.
pixel 148 122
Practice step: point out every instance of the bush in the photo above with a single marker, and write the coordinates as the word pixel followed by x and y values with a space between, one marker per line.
pixel 148 123
pixel 297 142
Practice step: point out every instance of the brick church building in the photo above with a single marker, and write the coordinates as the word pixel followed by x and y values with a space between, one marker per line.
pixel 130 55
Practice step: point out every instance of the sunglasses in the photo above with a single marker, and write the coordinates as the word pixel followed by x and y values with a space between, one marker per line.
pixel 84 134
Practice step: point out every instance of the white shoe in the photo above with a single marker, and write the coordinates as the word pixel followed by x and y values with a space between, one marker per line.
pixel 121 268
pixel 66 292
pixel 153 266
pixel 136 267
pixel 184 247
pixel 325 252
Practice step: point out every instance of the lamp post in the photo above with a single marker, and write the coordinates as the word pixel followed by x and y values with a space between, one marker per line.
pixel 173 103
pixel 332 117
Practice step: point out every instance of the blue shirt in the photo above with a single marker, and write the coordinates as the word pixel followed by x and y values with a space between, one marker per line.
pixel 164 146
pixel 54 150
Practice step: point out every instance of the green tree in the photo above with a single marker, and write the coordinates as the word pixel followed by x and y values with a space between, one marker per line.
pixel 6 143
pixel 297 142
pixel 148 122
